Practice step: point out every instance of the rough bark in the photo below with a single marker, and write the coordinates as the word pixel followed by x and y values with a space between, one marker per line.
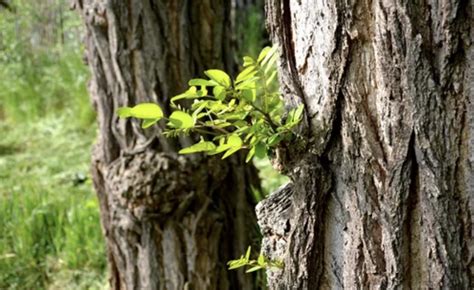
pixel 170 222
pixel 381 188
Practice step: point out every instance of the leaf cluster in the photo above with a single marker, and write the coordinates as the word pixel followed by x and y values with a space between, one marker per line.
pixel 253 265
pixel 228 114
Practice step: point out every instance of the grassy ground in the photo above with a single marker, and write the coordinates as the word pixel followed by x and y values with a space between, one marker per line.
pixel 50 234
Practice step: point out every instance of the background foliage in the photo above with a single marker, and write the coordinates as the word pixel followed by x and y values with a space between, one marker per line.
pixel 50 236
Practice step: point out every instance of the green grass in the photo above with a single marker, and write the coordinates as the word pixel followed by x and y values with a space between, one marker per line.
pixel 50 231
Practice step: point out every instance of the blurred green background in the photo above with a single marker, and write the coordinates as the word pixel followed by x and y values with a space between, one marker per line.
pixel 50 235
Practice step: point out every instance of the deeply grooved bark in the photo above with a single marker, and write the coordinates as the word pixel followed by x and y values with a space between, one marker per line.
pixel 380 195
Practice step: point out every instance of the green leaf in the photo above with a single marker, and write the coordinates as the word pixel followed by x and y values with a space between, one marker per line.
pixel 253 269
pixel 147 111
pixel 247 84
pixel 198 147
pixel 182 120
pixel 219 77
pixel 298 113
pixel 191 93
pixel 263 53
pixel 202 92
pixel 261 260
pixel 274 139
pixel 247 254
pixel 250 154
pixel 221 148
pixel 231 151
pixel 141 111
pixel 219 92
pixel 201 82
pixel 148 123
pixel 250 95
pixel 234 141
pixel 269 54
pixel 260 150
pixel 241 124
pixel 237 264
pixel 124 112
pixel 246 74
pixel 248 61
pixel 271 78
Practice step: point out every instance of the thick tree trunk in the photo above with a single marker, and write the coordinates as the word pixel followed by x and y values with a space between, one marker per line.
pixel 380 197
pixel 170 222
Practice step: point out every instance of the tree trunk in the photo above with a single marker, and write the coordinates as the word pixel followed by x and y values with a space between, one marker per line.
pixel 380 194
pixel 170 222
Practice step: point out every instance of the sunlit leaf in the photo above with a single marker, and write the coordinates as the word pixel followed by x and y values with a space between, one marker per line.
pixel 141 111
pixel 246 74
pixel 201 82
pixel 270 54
pixel 263 53
pixel 247 253
pixel 234 140
pixel 124 112
pixel 221 148
pixel 271 78
pixel 250 154
pixel 261 260
pixel 253 269
pixel 247 84
pixel 298 112
pixel 191 93
pixel 202 146
pixel 219 92
pixel 148 123
pixel 219 77
pixel 248 61
pixel 182 120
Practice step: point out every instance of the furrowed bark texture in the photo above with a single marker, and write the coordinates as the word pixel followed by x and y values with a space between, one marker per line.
pixel 380 197
pixel 170 222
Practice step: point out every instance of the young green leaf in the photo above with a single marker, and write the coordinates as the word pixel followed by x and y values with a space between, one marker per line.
pixel 231 151
pixel 247 254
pixel 201 82
pixel 263 53
pixel 270 54
pixel 248 61
pixel 253 269
pixel 250 95
pixel 234 141
pixel 124 112
pixel 260 150
pixel 181 120
pixel 261 260
pixel 141 111
pixel 246 74
pixel 148 123
pixel 298 113
pixel 221 148
pixel 147 111
pixel 219 92
pixel 219 77
pixel 191 93
pixel 250 154
pixel 274 139
pixel 202 146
